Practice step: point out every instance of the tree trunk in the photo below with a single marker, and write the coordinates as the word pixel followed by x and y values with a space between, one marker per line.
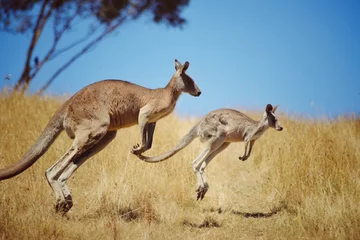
pixel 25 78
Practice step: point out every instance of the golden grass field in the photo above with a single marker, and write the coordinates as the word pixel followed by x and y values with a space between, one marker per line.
pixel 301 183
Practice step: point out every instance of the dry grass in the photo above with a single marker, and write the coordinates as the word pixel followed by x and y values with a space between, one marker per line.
pixel 302 183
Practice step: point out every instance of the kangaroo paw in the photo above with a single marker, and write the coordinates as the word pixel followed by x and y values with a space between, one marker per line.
pixel 136 149
pixel 243 158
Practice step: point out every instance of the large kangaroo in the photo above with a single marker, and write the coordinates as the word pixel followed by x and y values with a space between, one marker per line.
pixel 218 129
pixel 93 115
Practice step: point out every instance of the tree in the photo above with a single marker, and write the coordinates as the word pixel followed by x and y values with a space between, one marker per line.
pixel 23 16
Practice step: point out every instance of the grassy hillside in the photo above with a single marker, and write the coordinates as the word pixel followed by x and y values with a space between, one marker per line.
pixel 301 183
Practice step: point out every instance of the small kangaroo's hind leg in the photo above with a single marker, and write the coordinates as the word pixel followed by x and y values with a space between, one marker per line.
pixel 212 145
pixel 202 193
pixel 76 163
pixel 84 140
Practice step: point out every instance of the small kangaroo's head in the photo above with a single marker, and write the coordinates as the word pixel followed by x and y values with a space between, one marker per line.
pixel 273 121
pixel 184 83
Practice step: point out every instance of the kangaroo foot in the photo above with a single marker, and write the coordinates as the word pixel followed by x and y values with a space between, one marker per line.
pixel 64 206
pixel 201 191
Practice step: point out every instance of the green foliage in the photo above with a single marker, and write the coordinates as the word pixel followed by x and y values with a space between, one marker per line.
pixel 18 16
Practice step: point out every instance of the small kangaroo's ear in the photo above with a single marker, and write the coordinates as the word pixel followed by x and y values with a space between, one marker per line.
pixel 177 65
pixel 268 108
pixel 274 109
pixel 186 65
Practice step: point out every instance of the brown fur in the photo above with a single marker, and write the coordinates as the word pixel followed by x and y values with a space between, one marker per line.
pixel 93 115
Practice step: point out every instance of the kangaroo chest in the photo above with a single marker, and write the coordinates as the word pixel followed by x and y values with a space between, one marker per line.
pixel 159 113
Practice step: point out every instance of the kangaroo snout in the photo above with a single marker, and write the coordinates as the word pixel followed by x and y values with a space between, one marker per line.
pixel 196 94
pixel 279 128
pixel 197 91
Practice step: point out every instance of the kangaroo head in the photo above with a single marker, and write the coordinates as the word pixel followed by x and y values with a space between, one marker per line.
pixel 273 121
pixel 184 82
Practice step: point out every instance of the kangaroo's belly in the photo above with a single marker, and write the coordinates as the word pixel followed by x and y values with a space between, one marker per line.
pixel 234 138
pixel 122 120
pixel 234 135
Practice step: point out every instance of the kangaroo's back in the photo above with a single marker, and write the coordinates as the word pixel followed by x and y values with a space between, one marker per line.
pixel 109 92
pixel 119 101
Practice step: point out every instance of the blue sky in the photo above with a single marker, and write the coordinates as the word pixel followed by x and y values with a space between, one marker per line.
pixel 303 55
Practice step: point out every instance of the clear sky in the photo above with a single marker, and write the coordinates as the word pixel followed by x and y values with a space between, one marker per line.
pixel 301 54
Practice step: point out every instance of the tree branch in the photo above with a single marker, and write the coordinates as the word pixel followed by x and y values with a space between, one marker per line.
pixel 42 25
pixel 57 36
pixel 35 37
pixel 74 44
pixel 91 44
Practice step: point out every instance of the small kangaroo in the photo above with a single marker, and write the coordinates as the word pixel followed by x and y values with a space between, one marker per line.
pixel 218 129
pixel 93 115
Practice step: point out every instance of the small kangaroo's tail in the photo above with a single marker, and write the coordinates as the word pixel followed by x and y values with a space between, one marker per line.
pixel 47 137
pixel 185 141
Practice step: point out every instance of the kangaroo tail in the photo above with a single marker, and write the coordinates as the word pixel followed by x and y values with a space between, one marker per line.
pixel 47 137
pixel 185 141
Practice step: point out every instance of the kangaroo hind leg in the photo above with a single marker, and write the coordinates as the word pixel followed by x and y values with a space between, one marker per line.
pixel 212 145
pixel 202 193
pixel 77 162
pixel 84 140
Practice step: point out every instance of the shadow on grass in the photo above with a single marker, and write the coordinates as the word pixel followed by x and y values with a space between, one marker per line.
pixel 256 214
pixel 211 222
pixel 208 222
pixel 272 212
pixel 126 213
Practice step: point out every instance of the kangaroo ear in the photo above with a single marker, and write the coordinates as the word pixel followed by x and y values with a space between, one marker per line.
pixel 186 65
pixel 274 109
pixel 177 65
pixel 268 108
